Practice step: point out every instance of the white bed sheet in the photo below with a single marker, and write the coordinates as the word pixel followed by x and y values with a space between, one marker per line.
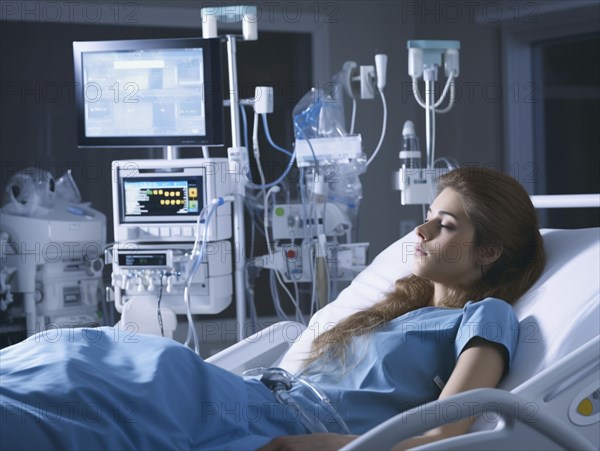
pixel 557 315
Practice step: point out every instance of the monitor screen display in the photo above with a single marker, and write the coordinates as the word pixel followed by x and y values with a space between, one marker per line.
pixel 136 259
pixel 149 92
pixel 148 198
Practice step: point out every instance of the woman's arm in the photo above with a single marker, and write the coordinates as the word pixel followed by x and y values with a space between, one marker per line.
pixel 320 441
pixel 480 365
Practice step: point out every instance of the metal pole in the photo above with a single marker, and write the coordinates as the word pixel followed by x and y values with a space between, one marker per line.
pixel 428 77
pixel 233 91
pixel 238 203
pixel 170 152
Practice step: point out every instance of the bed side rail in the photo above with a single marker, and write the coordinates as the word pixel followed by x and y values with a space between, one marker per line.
pixel 523 419
pixel 512 409
pixel 264 348
pixel 566 201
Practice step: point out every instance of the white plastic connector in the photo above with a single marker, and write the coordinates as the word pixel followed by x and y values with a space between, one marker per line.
pixel 451 62
pixel 250 26
pixel 320 186
pixel 230 14
pixel 381 69
pixel 221 200
pixel 367 79
pixel 263 99
pixel 347 77
pixel 415 62
pixel 430 73
pixel 238 167
pixel 408 129
pixel 209 25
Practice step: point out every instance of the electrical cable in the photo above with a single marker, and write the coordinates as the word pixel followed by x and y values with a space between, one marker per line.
pixel 279 180
pixel 197 261
pixel 353 119
pixel 245 125
pixel 432 159
pixel 451 100
pixel 303 202
pixel 250 300
pixel 313 297
pixel 431 109
pixel 270 250
pixel 256 151
pixel 268 135
pixel 253 205
pixel 449 81
pixel 416 93
pixel 276 299
pixel 383 128
pixel 450 163
pixel 158 312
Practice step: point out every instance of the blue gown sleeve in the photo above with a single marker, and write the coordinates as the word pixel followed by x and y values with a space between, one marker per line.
pixel 493 320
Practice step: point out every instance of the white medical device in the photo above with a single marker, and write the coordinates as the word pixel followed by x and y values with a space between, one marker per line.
pixel 57 263
pixel 288 221
pixel 295 262
pixel 153 271
pixel 425 58
pixel 157 204
pixel 313 234
pixel 160 200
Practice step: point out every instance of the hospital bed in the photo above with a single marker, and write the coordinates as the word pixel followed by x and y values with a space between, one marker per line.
pixel 550 398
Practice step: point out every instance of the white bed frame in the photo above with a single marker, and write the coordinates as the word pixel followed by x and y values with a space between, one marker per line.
pixel 524 413
pixel 532 416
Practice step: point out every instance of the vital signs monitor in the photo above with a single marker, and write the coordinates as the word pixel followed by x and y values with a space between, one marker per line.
pixel 149 92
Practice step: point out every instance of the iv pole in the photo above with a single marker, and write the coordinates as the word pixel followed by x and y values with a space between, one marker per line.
pixel 237 155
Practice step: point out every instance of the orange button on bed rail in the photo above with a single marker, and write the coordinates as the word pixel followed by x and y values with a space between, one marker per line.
pixel 585 407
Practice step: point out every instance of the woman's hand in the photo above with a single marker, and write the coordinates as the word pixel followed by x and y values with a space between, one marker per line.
pixel 320 441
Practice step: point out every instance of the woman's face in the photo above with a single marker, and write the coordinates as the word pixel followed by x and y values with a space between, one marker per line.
pixel 445 251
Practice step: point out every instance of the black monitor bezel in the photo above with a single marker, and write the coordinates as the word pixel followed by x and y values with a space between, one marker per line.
pixel 213 92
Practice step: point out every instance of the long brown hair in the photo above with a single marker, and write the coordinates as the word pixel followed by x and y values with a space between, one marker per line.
pixel 503 216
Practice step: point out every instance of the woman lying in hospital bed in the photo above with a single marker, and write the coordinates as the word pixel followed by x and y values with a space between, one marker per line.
pixel 446 329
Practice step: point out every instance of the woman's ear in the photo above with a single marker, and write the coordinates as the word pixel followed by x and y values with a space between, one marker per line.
pixel 489 253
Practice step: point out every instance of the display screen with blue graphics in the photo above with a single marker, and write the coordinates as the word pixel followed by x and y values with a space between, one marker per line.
pixel 148 92
pixel 162 196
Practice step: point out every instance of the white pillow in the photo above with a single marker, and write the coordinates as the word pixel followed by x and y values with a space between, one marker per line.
pixel 558 314
pixel 561 312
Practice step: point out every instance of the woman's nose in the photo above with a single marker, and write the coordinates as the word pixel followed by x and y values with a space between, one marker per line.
pixel 421 232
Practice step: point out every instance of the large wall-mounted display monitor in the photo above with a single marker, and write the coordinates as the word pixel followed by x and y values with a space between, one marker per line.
pixel 149 92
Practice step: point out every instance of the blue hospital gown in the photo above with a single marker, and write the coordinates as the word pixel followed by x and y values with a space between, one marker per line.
pixel 402 365
pixel 101 389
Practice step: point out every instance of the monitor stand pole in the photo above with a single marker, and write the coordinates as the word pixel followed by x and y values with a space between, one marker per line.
pixel 170 152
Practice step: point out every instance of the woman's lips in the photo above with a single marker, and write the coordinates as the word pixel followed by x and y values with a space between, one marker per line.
pixel 420 251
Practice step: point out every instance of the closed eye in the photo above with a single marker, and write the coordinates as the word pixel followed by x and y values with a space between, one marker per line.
pixel 443 226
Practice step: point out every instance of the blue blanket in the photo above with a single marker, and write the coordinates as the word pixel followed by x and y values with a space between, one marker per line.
pixel 107 389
